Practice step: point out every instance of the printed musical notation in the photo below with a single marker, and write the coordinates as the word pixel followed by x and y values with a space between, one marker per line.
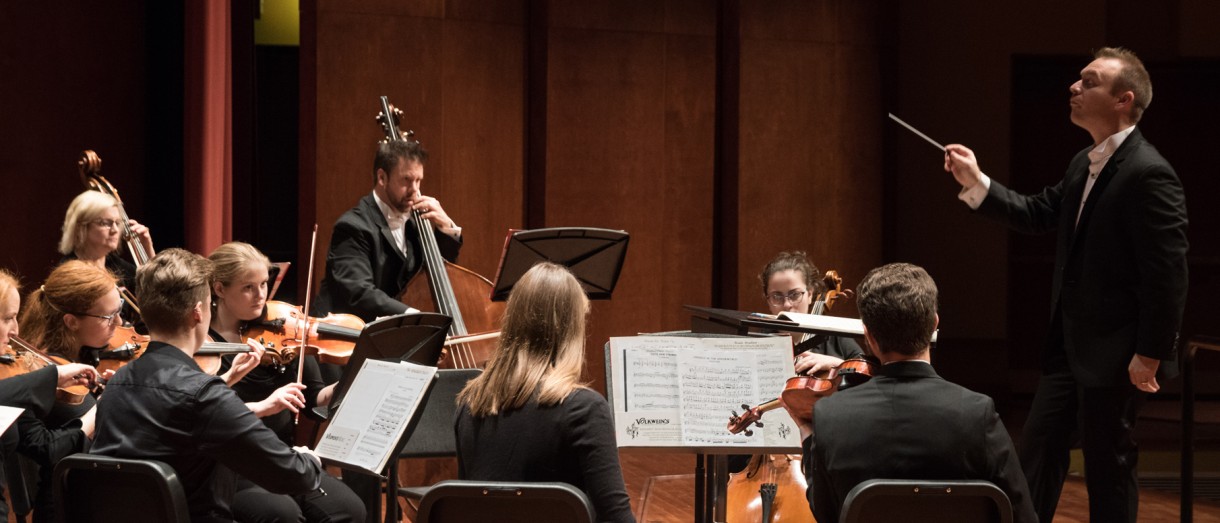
pixel 679 391
pixel 374 414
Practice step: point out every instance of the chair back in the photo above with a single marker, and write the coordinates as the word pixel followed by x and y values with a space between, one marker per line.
pixel 919 501
pixel 504 502
pixel 102 488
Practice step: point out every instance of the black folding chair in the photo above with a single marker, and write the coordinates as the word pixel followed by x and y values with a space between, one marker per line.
pixel 920 501
pixel 102 488
pixel 504 502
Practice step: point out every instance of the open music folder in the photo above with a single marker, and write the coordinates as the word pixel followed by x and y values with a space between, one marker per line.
pixel 669 391
pixel 365 432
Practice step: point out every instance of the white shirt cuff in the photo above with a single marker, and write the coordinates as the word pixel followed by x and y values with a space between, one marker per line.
pixel 974 195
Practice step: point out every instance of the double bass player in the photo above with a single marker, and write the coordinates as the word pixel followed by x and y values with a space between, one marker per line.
pixel 375 248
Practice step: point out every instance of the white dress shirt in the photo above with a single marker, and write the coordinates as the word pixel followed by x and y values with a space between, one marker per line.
pixel 1098 156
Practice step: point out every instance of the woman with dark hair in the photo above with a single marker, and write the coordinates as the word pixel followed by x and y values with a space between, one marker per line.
pixel 791 283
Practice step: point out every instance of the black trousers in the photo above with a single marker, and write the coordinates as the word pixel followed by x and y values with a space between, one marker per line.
pixel 334 502
pixel 1102 420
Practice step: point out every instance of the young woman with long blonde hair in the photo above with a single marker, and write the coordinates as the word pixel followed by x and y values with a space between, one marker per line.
pixel 529 417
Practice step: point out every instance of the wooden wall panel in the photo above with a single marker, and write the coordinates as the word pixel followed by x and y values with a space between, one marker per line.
pixel 72 77
pixel 810 168
pixel 629 110
pixel 628 149
pixel 483 125
pixel 460 85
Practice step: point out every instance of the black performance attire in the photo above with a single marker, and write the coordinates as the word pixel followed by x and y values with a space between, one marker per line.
pixel 365 274
pixel 840 347
pixel 1119 290
pixel 252 503
pixel 572 442
pixel 46 440
pixel 35 392
pixel 365 270
pixel 908 423
pixel 196 424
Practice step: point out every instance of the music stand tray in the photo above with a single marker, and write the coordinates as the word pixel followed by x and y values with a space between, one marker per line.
pixel 595 257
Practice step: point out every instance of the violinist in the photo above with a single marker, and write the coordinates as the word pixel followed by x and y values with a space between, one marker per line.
pixel 528 417
pixel 375 248
pixel 34 391
pixel 239 294
pixel 75 309
pixel 906 422
pixel 790 282
pixel 92 232
pixel 188 419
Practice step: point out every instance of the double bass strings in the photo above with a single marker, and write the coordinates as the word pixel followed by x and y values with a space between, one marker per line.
pixel 916 131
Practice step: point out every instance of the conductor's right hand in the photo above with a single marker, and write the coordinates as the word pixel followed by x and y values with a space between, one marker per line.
pixel 960 161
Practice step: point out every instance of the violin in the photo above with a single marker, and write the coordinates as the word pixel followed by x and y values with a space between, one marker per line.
pixel 283 325
pixel 125 345
pixel 208 355
pixel 34 359
pixel 12 362
pixel 801 392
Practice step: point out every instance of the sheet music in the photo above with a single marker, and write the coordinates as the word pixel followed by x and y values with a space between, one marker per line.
pixel 832 324
pixel 375 412
pixel 7 416
pixel 679 391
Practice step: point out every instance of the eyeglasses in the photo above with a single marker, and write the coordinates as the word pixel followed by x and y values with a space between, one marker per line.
pixel 779 298
pixel 108 224
pixel 110 318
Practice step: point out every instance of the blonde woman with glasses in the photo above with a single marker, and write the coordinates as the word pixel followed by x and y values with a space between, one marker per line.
pixel 93 233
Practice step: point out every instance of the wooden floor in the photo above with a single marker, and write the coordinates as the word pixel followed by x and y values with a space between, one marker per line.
pixel 672 498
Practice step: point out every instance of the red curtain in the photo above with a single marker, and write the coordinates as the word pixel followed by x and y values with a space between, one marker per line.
pixel 208 170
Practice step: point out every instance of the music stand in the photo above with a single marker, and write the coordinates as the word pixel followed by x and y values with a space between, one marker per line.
pixel 276 276
pixel 417 338
pixel 595 257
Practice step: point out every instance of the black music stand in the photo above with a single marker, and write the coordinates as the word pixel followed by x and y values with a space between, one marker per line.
pixel 414 337
pixel 595 257
pixel 276 276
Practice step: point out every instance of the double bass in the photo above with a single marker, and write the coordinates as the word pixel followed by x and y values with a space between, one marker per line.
pixel 772 486
pixel 90 167
pixel 448 288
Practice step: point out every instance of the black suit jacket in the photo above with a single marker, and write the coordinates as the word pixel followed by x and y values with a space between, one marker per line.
pixel 365 271
pixel 909 423
pixel 1120 274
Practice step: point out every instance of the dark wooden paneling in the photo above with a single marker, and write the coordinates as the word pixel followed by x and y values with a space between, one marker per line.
pixel 810 136
pixel 483 121
pixel 460 84
pixel 74 78
pixel 624 133
pixel 630 147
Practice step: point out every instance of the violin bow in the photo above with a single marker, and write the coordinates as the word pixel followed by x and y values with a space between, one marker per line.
pixel 313 245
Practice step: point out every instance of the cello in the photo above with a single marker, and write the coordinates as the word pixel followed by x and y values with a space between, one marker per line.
pixel 450 289
pixel 772 486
